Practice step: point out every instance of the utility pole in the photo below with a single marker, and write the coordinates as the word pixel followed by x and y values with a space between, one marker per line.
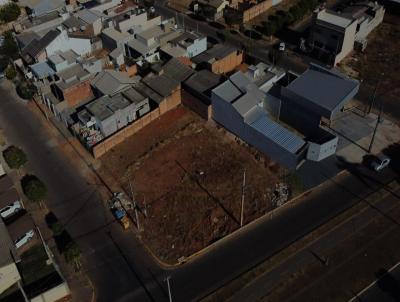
pixel 133 200
pixel 242 205
pixel 378 120
pixel 145 205
pixel 169 288
pixel 371 104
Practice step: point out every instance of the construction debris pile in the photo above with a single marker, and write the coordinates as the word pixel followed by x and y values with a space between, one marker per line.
pixel 280 195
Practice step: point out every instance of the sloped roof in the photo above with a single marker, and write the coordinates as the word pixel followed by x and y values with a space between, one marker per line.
pixel 177 70
pixel 42 70
pixel 109 82
pixel 325 89
pixel 35 47
pixel 89 16
pixel 162 84
pixel 203 80
pixel 227 91
pixel 283 137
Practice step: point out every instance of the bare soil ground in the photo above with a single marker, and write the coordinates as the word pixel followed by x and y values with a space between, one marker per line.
pixel 187 173
pixel 378 66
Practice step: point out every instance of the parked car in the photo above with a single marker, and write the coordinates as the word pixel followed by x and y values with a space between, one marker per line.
pixel 380 162
pixel 282 46
pixel 11 209
pixel 24 239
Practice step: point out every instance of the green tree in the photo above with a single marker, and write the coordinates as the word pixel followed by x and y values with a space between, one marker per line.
pixel 14 157
pixel 57 229
pixel 72 255
pixel 9 12
pixel 10 73
pixel 26 90
pixel 34 188
pixel 9 48
pixel 270 28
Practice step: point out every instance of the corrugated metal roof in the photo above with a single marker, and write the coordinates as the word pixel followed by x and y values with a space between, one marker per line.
pixel 325 88
pixel 280 135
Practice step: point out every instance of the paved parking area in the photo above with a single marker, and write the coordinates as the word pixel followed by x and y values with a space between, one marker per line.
pixel 355 134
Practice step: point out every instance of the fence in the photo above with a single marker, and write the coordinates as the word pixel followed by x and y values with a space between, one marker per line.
pixel 118 137
pixel 256 10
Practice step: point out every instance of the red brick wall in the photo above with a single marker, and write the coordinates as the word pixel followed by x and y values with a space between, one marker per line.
pixel 169 103
pixel 78 93
pixel 228 63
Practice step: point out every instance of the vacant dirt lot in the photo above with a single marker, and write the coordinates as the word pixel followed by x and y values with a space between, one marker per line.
pixel 378 67
pixel 187 175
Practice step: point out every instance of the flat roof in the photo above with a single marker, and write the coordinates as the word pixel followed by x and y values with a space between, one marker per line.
pixel 115 34
pixel 334 18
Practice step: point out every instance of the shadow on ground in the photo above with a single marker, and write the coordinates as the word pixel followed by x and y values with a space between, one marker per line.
pixel 388 284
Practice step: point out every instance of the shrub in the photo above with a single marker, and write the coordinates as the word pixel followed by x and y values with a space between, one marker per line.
pixel 9 12
pixel 33 188
pixel 72 255
pixel 10 73
pixel 14 157
pixel 25 90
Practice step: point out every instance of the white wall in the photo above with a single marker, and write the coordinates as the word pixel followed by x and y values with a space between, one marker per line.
pixel 105 6
pixel 8 276
pixel 318 152
pixel 80 46
pixel 63 43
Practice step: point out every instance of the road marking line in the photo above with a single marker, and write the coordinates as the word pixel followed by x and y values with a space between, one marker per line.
pixel 373 283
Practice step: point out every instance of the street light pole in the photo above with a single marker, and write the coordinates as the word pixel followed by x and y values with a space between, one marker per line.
pixel 169 288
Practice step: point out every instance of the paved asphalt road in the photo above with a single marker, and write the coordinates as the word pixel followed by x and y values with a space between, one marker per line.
pixel 118 265
pixel 385 289
pixel 257 49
